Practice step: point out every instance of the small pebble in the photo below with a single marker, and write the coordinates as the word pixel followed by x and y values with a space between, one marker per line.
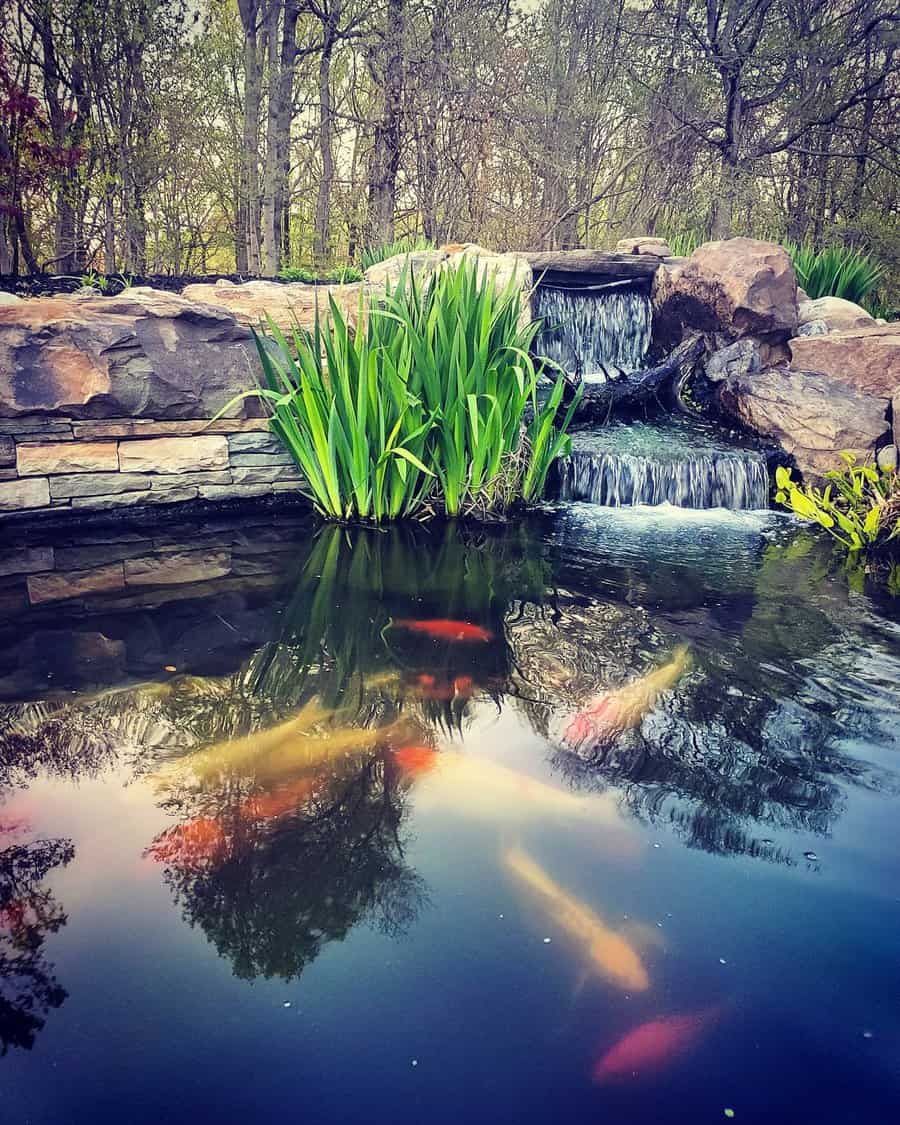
pixel 170 668
pixel 287 1004
pixel 867 1035
pixel 657 845
pixel 415 1062
pixel 546 941
pixel 729 1113
pixel 659 924
pixel 499 915
pixel 722 961
pixel 810 855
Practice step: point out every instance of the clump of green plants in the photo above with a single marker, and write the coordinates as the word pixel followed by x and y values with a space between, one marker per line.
pixel 371 255
pixel 426 405
pixel 835 271
pixel 684 243
pixel 339 275
pixel 859 506
pixel 298 273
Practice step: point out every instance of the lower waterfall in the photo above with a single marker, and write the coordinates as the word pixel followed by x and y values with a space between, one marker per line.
pixel 622 465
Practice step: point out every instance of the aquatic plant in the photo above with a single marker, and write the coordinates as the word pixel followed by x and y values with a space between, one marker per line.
pixel 859 507
pixel 419 407
pixel 684 243
pixel 835 271
pixel 371 255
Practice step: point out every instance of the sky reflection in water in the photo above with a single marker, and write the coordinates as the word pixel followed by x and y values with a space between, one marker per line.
pixel 343 868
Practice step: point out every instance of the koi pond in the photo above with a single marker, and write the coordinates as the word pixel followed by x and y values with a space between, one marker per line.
pixel 592 817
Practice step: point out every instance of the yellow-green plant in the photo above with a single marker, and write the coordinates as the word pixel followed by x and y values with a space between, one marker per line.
pixel 859 506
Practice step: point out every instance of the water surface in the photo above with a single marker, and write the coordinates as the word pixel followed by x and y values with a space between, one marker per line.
pixel 271 849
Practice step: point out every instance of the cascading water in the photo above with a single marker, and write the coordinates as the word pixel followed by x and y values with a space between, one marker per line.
pixel 599 333
pixel 621 465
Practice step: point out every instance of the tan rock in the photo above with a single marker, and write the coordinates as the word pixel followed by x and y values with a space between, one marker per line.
pixel 16 495
pixel 738 287
pixel 67 457
pixel 295 303
pixel 644 244
pixel 135 499
pixel 174 454
pixel 60 585
pixel 867 359
pixel 177 568
pixel 145 427
pixel 387 274
pixel 812 417
pixel 838 314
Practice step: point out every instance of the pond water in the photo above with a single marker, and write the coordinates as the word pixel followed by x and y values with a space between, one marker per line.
pixel 588 818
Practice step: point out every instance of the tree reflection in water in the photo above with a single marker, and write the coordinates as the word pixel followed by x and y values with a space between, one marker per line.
pixel 272 874
pixel 28 915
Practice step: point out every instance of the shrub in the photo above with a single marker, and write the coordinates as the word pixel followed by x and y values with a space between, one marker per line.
pixel 373 254
pixel 418 409
pixel 836 271
pixel 339 275
pixel 859 507
pixel 298 273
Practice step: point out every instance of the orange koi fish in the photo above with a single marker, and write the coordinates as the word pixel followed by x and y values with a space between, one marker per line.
pixel 284 799
pixel 653 1045
pixel 445 629
pixel 416 759
pixel 427 686
pixel 190 845
pixel 606 951
pixel 623 709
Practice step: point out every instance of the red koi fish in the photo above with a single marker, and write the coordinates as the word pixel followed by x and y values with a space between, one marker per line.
pixel 445 629
pixel 416 759
pixel 285 799
pixel 653 1045
pixel 190 845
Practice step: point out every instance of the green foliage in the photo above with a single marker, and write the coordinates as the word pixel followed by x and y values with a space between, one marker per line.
pixel 373 254
pixel 340 275
pixel 298 273
pixel 684 243
pixel 859 507
pixel 91 280
pixel 420 407
pixel 836 271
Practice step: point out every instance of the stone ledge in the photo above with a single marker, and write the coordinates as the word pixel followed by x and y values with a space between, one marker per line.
pixel 174 454
pixel 63 584
pixel 15 495
pixel 66 457
pixel 139 427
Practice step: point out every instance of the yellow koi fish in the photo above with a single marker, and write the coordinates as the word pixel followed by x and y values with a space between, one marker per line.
pixel 605 950
pixel 616 711
pixel 479 788
pixel 298 743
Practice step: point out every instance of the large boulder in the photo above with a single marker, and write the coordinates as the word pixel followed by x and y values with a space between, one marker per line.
pixel 387 274
pixel 738 287
pixel 812 417
pixel 144 354
pixel 253 302
pixel 867 359
pixel 838 314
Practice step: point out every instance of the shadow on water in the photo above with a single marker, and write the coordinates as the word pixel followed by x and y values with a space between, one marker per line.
pixel 278 770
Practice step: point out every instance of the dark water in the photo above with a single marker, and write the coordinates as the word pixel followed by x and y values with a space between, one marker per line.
pixel 417 902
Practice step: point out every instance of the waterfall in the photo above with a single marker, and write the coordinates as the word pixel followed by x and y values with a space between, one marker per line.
pixel 602 334
pixel 619 466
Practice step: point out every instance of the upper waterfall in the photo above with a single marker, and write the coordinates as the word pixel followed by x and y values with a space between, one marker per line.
pixel 600 334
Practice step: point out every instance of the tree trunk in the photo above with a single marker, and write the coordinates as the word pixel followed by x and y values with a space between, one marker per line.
pixel 249 190
pixel 386 141
pixel 326 147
